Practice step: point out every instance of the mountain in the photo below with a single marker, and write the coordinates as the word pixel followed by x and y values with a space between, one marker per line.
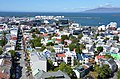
pixel 103 10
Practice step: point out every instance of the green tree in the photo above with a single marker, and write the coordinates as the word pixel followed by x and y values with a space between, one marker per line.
pixel 32 31
pixel 37 31
pixel 72 47
pixel 118 74
pixel 106 38
pixel 52 50
pixel 3 42
pixel 66 68
pixel 82 46
pixel 80 36
pixel 73 39
pixel 33 35
pixel 50 44
pixel 107 56
pixel 104 71
pixel 100 49
pixel 1 51
pixel 50 65
pixel 36 42
pixel 64 37
pixel 42 48
pixel 116 38
pixel 12 52
pixel 96 35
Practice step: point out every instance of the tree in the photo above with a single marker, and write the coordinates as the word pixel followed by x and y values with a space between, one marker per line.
pixel 118 74
pixel 12 52
pixel 72 47
pixel 42 48
pixel 1 51
pixel 103 71
pixel 107 56
pixel 3 42
pixel 100 49
pixel 33 35
pixel 64 37
pixel 80 36
pixel 37 31
pixel 116 38
pixel 36 42
pixel 73 39
pixel 50 44
pixel 78 50
pixel 52 50
pixel 96 35
pixel 82 46
pixel 106 38
pixel 66 68
pixel 50 65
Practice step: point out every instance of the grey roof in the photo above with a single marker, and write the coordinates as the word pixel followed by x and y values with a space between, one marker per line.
pixel 38 75
pixel 35 56
pixel 58 75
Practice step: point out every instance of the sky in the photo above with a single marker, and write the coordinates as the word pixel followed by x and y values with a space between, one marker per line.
pixel 55 5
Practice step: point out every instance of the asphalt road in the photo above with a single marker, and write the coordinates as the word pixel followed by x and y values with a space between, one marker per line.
pixel 22 64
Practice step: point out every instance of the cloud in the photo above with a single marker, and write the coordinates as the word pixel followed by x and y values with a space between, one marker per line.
pixel 106 5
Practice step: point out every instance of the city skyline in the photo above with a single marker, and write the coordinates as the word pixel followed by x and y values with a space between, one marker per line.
pixel 54 5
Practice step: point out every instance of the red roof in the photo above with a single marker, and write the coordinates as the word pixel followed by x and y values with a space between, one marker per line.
pixel 61 55
pixel 98 57
pixel 13 38
pixel 4 76
pixel 58 40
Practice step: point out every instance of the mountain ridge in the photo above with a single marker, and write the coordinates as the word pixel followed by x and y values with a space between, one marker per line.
pixel 103 10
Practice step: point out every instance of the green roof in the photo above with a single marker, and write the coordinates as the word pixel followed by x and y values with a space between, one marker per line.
pixel 50 41
pixel 116 56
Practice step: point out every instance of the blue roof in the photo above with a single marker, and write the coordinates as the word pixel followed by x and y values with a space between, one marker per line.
pixel 42 30
pixel 81 56
pixel 46 53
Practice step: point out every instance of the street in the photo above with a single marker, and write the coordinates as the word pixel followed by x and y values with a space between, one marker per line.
pixel 22 64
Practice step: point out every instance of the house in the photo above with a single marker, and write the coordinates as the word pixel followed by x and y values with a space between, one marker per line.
pixel 74 25
pixel 63 22
pixel 81 71
pixel 46 53
pixel 46 40
pixel 4 76
pixel 43 30
pixel 118 63
pixel 97 58
pixel 101 27
pixel 14 31
pixel 5 66
pixel 58 48
pixel 83 58
pixel 69 56
pixel 57 75
pixel 38 61
pixel 3 27
pixel 112 64
pixel 67 42
pixel 60 57
pixel 114 50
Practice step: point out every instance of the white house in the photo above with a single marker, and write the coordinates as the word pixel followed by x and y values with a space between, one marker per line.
pixel 101 27
pixel 38 61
